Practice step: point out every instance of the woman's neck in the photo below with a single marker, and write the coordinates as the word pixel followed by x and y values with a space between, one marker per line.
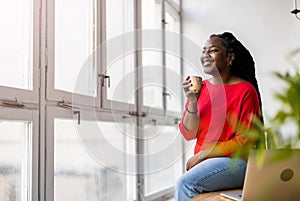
pixel 222 79
pixel 226 80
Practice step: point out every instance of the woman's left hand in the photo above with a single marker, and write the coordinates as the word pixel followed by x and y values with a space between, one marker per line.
pixel 194 161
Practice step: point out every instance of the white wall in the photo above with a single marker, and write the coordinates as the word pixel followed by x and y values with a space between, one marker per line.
pixel 266 27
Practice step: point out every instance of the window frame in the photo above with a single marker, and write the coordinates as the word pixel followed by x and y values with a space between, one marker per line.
pixel 158 120
pixel 25 115
pixel 174 11
pixel 57 112
pixel 41 104
pixel 105 102
pixel 21 95
pixel 57 95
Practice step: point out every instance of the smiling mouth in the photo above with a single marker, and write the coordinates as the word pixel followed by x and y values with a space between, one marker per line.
pixel 206 63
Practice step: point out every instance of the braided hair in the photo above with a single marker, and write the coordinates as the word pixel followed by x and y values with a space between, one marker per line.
pixel 243 64
pixel 243 67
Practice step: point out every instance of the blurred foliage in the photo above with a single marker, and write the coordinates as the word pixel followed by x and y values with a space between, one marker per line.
pixel 289 98
pixel 289 113
pixel 255 134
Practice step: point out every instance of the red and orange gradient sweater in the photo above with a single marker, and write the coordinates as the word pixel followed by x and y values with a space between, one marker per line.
pixel 226 115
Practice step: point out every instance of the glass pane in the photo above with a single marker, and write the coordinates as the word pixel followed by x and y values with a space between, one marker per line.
pixel 75 41
pixel 173 82
pixel 173 71
pixel 176 1
pixel 16 44
pixel 120 54
pixel 82 175
pixel 14 161
pixel 152 59
pixel 151 11
pixel 119 17
pixel 153 79
pixel 164 141
pixel 172 23
pixel 121 83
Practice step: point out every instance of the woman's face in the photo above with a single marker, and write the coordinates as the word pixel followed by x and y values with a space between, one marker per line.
pixel 214 58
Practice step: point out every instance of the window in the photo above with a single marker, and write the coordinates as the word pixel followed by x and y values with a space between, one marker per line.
pixel 18 100
pixel 83 111
pixel 89 162
pixel 163 163
pixel 173 60
pixel 71 48
pixel 16 44
pixel 18 155
pixel 152 58
pixel 19 58
pixel 75 41
pixel 14 175
pixel 119 66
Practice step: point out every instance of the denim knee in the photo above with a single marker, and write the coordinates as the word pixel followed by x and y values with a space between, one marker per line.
pixel 210 175
pixel 184 189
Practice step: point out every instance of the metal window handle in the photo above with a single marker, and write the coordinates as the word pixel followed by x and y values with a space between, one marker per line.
pixel 13 103
pixel 176 120
pixel 68 105
pixel 78 116
pixel 153 122
pixel 167 94
pixel 133 113
pixel 108 80
pixel 102 78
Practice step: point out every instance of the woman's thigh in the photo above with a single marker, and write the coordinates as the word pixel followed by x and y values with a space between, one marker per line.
pixel 216 174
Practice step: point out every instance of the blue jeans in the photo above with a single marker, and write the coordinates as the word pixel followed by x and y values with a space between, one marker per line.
pixel 211 175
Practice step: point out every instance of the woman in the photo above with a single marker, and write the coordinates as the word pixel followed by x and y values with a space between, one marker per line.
pixel 219 117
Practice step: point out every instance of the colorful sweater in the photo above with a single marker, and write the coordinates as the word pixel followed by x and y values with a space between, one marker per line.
pixel 226 113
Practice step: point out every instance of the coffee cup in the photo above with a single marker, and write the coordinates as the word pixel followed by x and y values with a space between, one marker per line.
pixel 196 82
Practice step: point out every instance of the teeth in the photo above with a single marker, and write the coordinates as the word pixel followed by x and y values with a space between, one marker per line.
pixel 206 63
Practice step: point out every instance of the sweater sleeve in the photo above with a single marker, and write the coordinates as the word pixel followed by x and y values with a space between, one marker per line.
pixel 242 123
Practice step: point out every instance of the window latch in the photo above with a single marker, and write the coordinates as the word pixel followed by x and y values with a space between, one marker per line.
pixel 153 122
pixel 133 113
pixel 167 94
pixel 13 103
pixel 78 116
pixel 102 78
pixel 67 105
pixel 176 121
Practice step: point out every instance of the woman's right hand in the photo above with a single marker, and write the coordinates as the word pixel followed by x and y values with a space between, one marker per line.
pixel 190 93
pixel 191 118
